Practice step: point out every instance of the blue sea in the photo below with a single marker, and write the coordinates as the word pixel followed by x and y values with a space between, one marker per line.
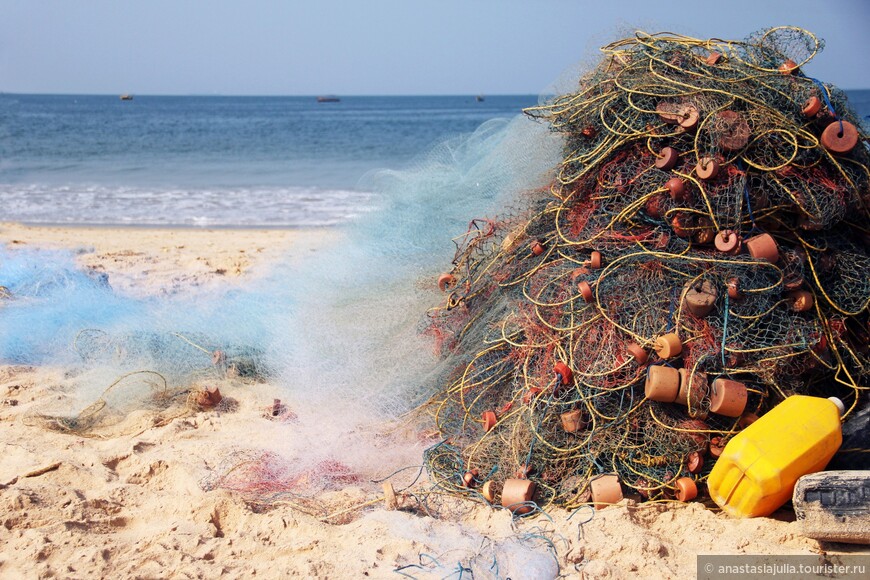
pixel 216 161
pixel 221 161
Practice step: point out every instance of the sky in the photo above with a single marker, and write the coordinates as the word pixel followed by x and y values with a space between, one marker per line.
pixel 374 47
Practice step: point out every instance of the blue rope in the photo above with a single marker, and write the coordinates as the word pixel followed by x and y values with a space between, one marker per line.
pixel 746 195
pixel 828 101
pixel 671 311
pixel 461 569
pixel 399 570
pixel 724 331
pixel 591 514
pixel 400 470
pixel 432 559
pixel 533 506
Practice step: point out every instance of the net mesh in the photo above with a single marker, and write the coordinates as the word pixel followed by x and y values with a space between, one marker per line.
pixel 708 191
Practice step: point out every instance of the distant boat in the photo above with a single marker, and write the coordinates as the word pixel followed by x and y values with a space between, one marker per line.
pixel 126 97
pixel 479 98
pixel 328 99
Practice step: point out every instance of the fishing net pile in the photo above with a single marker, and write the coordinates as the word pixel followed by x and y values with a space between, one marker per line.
pixel 701 254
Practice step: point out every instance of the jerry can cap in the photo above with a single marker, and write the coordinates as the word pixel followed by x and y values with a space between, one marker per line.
pixel 840 406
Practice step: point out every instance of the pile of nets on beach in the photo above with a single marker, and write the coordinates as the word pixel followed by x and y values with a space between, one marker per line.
pixel 701 254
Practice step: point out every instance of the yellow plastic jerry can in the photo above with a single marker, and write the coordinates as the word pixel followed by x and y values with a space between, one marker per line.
pixel 759 467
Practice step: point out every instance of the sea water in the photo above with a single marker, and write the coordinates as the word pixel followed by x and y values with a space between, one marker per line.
pixel 222 161
pixel 216 161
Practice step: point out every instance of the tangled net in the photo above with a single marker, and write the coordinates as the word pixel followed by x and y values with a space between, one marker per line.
pixel 263 479
pixel 185 357
pixel 701 255
pixel 192 368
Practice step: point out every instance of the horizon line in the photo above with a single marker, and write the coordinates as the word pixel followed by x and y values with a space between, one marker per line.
pixel 308 95
pixel 311 95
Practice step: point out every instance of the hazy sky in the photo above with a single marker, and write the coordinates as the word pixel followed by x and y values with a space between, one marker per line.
pixel 296 47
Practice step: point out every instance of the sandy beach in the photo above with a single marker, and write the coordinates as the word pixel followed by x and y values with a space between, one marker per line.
pixel 172 493
pixel 146 260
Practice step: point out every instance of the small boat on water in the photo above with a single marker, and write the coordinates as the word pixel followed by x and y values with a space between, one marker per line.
pixel 328 99
pixel 479 98
pixel 126 97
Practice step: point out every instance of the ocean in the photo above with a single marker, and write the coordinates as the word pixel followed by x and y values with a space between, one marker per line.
pixel 221 161
pixel 216 161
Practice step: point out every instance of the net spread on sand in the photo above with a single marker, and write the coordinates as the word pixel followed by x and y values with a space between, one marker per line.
pixel 709 215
